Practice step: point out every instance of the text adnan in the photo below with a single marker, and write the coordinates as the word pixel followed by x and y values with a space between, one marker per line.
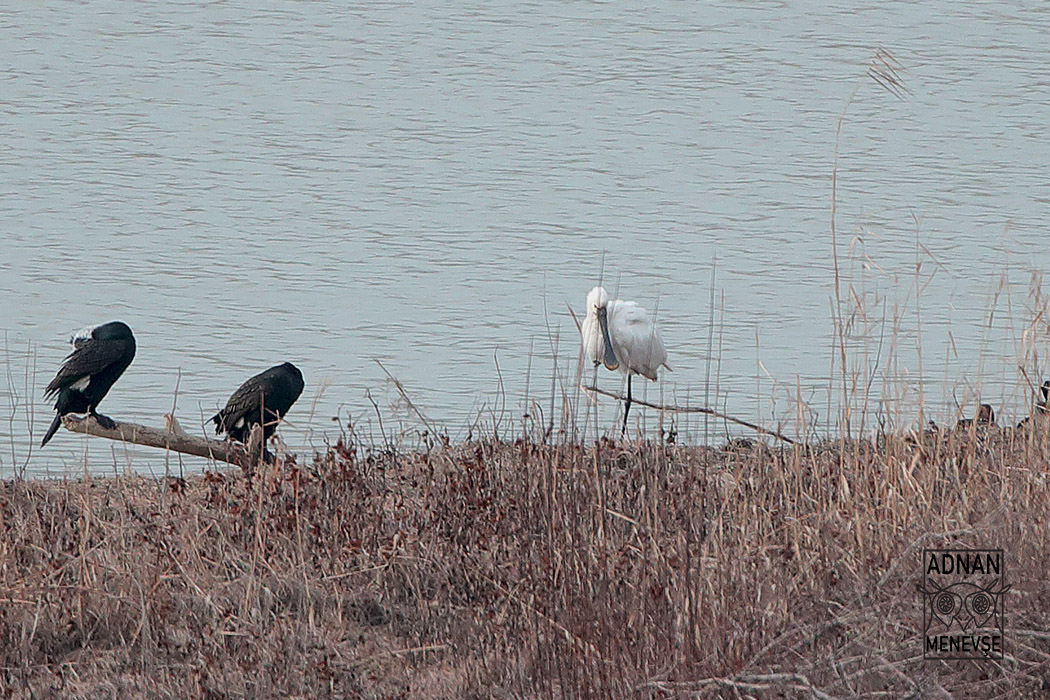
pixel 965 563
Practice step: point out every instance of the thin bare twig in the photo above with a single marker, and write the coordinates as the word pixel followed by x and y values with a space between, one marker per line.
pixel 401 390
pixel 693 409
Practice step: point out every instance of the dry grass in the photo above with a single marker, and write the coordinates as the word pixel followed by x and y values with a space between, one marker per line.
pixel 521 570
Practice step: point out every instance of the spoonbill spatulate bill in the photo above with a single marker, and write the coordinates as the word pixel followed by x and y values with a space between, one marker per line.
pixel 622 336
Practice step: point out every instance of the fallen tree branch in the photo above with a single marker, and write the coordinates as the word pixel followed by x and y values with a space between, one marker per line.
pixel 175 439
pixel 692 409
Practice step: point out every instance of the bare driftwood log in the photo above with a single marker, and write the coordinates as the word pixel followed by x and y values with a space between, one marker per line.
pixel 693 409
pixel 174 438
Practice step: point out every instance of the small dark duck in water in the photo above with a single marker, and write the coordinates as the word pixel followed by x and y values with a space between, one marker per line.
pixel 100 355
pixel 262 400
pixel 985 418
pixel 1042 411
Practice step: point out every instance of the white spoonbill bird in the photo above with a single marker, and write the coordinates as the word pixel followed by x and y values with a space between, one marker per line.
pixel 621 335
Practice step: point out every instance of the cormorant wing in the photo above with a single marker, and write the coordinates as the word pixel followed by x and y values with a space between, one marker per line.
pixel 247 398
pixel 90 357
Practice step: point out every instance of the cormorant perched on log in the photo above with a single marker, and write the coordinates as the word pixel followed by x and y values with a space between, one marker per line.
pixel 273 392
pixel 100 355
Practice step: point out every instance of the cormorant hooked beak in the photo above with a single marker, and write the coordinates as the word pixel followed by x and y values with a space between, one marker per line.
pixel 609 358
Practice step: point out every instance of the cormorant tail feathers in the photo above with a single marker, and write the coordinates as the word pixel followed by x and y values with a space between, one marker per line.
pixel 52 430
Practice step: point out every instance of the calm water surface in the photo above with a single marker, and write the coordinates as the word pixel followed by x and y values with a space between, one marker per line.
pixel 429 183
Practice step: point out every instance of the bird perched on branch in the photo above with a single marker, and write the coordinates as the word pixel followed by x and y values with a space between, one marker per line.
pixel 262 400
pixel 621 335
pixel 100 355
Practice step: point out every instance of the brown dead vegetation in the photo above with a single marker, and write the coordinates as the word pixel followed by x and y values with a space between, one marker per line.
pixel 524 570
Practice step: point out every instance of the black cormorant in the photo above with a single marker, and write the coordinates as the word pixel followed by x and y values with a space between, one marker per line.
pixel 100 355
pixel 270 393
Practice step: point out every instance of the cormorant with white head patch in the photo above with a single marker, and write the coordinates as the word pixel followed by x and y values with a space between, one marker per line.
pixel 262 400
pixel 100 355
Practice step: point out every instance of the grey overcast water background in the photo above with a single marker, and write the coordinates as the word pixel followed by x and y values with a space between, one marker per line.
pixel 428 183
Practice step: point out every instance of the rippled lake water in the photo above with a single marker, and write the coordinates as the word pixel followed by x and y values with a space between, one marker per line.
pixel 429 184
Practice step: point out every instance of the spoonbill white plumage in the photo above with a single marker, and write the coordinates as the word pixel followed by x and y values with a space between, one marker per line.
pixel 621 335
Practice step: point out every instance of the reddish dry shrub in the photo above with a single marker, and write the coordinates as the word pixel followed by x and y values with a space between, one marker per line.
pixel 523 570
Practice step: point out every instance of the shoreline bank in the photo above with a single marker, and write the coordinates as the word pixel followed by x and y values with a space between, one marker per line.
pixel 524 570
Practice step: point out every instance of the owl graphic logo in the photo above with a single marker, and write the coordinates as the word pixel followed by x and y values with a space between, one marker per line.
pixel 963 607
pixel 963 594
